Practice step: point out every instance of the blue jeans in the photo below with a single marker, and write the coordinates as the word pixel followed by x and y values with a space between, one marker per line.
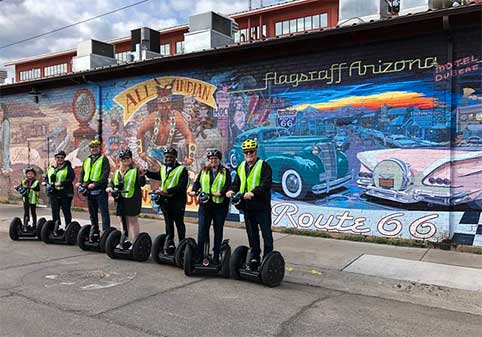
pixel 96 202
pixel 254 221
pixel 56 204
pixel 208 215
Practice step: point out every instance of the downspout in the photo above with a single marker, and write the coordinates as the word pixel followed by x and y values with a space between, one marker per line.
pixel 452 123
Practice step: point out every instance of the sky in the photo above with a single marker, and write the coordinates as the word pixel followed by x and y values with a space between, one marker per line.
pixel 22 19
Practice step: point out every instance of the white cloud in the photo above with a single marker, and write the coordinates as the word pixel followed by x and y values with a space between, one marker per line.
pixel 21 19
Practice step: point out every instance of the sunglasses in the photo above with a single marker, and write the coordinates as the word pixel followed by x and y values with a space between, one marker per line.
pixel 249 151
pixel 59 158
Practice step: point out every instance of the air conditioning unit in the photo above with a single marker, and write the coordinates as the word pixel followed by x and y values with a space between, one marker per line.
pixel 417 6
pixel 360 11
pixel 209 30
pixel 145 44
pixel 93 54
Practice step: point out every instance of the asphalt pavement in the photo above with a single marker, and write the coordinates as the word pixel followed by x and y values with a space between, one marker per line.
pixel 331 288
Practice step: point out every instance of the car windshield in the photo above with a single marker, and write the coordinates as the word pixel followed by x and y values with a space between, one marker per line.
pixel 275 133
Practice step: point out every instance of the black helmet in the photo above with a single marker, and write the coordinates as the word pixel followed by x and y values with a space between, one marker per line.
pixel 127 153
pixel 60 154
pixel 214 153
pixel 29 169
pixel 171 151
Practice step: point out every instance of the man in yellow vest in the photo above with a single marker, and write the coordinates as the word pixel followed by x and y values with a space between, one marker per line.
pixel 173 190
pixel 253 181
pixel 93 181
pixel 58 183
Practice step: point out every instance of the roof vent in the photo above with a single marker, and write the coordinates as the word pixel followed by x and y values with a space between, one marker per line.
pixel 93 54
pixel 209 30
pixel 417 6
pixel 360 11
pixel 145 44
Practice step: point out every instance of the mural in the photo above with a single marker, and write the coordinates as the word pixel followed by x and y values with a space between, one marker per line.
pixel 386 143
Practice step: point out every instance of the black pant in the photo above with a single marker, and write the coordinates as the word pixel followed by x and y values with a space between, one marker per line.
pixel 208 215
pixel 171 216
pixel 56 203
pixel 27 209
pixel 96 202
pixel 254 221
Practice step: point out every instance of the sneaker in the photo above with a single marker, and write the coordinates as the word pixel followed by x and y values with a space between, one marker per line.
pixel 216 259
pixel 253 264
pixel 170 250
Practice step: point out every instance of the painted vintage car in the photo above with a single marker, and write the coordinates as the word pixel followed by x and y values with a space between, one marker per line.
pixel 301 164
pixel 435 176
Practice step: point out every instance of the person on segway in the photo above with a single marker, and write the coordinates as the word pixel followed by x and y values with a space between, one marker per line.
pixel 59 186
pixel 93 183
pixel 253 182
pixel 126 189
pixel 172 193
pixel 29 188
pixel 211 185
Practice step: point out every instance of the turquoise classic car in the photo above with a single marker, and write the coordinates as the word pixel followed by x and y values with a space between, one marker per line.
pixel 301 164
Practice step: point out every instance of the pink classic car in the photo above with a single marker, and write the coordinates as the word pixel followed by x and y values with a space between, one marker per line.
pixel 437 176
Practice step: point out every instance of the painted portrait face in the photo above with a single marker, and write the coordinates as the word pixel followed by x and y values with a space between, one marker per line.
pixel 239 119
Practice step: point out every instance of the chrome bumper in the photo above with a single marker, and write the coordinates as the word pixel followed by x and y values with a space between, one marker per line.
pixel 414 195
pixel 331 185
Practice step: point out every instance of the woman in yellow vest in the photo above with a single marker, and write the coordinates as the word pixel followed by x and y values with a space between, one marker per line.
pixel 214 180
pixel 30 190
pixel 126 188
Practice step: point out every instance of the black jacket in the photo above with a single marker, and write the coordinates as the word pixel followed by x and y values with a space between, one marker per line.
pixel 262 193
pixel 178 194
pixel 68 187
pixel 227 186
pixel 104 177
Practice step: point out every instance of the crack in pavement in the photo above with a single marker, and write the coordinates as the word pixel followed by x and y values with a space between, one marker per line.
pixel 140 299
pixel 285 326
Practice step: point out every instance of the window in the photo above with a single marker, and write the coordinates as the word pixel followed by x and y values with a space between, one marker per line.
pixel 242 34
pixel 278 28
pixel 286 27
pixel 165 49
pixel 301 24
pixel 29 74
pixel 180 47
pixel 122 56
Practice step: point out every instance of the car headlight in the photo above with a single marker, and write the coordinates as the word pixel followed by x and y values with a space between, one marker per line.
pixel 315 150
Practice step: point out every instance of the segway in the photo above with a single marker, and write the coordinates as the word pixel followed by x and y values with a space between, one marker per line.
pixel 194 264
pixel 52 233
pixel 88 237
pixel 161 252
pixel 117 246
pixel 272 269
pixel 270 273
pixel 19 230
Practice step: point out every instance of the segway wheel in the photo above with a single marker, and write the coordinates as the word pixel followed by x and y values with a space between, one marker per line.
pixel 104 237
pixel 273 269
pixel 188 264
pixel 157 246
pixel 112 241
pixel 225 259
pixel 236 261
pixel 15 228
pixel 142 247
pixel 40 223
pixel 47 230
pixel 83 236
pixel 71 233
pixel 180 251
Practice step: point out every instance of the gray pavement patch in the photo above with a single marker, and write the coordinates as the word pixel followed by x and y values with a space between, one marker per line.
pixel 89 279
pixel 418 271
